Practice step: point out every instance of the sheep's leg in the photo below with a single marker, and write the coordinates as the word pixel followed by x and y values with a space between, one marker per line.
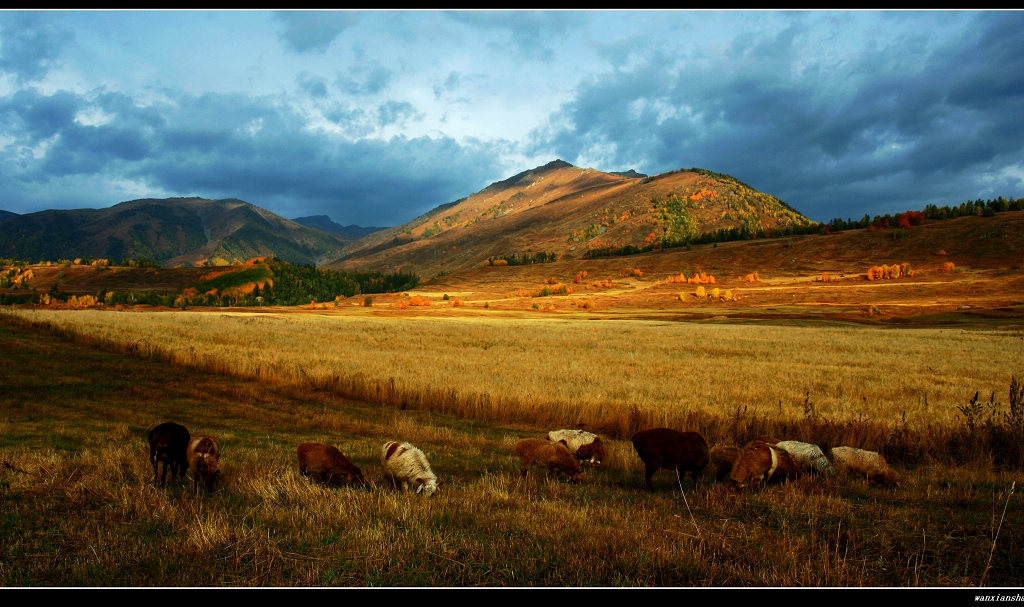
pixel 648 475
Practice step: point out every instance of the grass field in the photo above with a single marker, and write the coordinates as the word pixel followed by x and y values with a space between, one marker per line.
pixel 78 507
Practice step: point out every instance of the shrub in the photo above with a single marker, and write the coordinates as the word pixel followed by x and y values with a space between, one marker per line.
pixel 367 302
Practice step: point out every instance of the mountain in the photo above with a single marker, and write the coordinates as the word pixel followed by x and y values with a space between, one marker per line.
pixel 170 232
pixel 323 222
pixel 5 214
pixel 566 210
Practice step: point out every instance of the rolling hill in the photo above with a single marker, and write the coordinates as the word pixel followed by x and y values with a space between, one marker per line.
pixel 566 210
pixel 170 232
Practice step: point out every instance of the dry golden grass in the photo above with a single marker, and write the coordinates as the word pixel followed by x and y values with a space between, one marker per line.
pixel 77 506
pixel 554 371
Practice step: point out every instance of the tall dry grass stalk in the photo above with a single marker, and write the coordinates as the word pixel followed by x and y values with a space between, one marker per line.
pixel 616 376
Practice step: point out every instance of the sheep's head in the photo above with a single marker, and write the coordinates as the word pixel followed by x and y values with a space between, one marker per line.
pixel 427 486
pixel 356 476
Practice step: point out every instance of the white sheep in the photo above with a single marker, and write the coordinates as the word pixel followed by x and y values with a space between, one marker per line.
pixel 809 456
pixel 848 460
pixel 408 466
pixel 582 444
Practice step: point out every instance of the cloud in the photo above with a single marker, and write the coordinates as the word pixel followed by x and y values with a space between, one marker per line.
pixel 313 31
pixel 314 86
pixel 222 146
pixel 393 112
pixel 363 80
pixel 902 127
pixel 529 32
pixel 29 46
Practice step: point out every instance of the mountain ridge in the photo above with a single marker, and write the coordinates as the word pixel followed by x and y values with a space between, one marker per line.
pixel 567 210
pixel 169 232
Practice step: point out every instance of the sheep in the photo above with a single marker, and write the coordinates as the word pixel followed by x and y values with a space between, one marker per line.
pixel 167 444
pixel 673 450
pixel 809 456
pixel 585 446
pixel 722 459
pixel 757 462
pixel 203 456
pixel 849 460
pixel 326 464
pixel 554 455
pixel 407 465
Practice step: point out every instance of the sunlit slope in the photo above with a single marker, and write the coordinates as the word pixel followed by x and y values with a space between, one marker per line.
pixel 562 209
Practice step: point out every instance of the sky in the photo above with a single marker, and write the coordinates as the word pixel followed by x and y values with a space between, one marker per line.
pixel 375 117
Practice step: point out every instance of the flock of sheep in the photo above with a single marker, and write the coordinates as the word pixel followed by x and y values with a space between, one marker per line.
pixel 759 461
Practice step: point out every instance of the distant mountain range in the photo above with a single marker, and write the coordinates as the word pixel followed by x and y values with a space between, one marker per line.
pixel 170 232
pixel 323 222
pixel 556 208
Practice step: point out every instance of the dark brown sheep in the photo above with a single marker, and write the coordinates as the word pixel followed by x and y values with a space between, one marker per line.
pixel 555 455
pixel 722 459
pixel 167 444
pixel 327 465
pixel 673 450
pixel 203 455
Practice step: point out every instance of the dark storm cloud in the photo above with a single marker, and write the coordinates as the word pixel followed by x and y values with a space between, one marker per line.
pixel 896 129
pixel 28 45
pixel 222 146
pixel 313 31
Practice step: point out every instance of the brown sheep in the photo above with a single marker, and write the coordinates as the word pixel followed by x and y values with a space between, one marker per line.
pixel 722 459
pixel 325 464
pixel 673 450
pixel 870 464
pixel 758 462
pixel 203 456
pixel 555 455
pixel 167 444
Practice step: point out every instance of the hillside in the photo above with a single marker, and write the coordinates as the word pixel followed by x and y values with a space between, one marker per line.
pixel 170 232
pixel 562 209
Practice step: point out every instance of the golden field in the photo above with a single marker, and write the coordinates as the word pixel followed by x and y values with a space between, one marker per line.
pixel 569 370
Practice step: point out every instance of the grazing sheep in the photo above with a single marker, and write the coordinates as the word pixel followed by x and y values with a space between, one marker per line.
pixel 757 462
pixel 722 459
pixel 585 446
pixel 554 455
pixel 167 444
pixel 788 468
pixel 203 456
pixel 871 464
pixel 809 456
pixel 325 464
pixel 408 466
pixel 673 450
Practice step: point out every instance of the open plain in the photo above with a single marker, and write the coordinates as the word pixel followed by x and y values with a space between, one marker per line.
pixel 469 363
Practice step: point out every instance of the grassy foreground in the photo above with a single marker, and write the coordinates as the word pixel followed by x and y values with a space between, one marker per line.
pixel 77 506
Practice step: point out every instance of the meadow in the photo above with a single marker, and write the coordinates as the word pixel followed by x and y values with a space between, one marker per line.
pixel 81 388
